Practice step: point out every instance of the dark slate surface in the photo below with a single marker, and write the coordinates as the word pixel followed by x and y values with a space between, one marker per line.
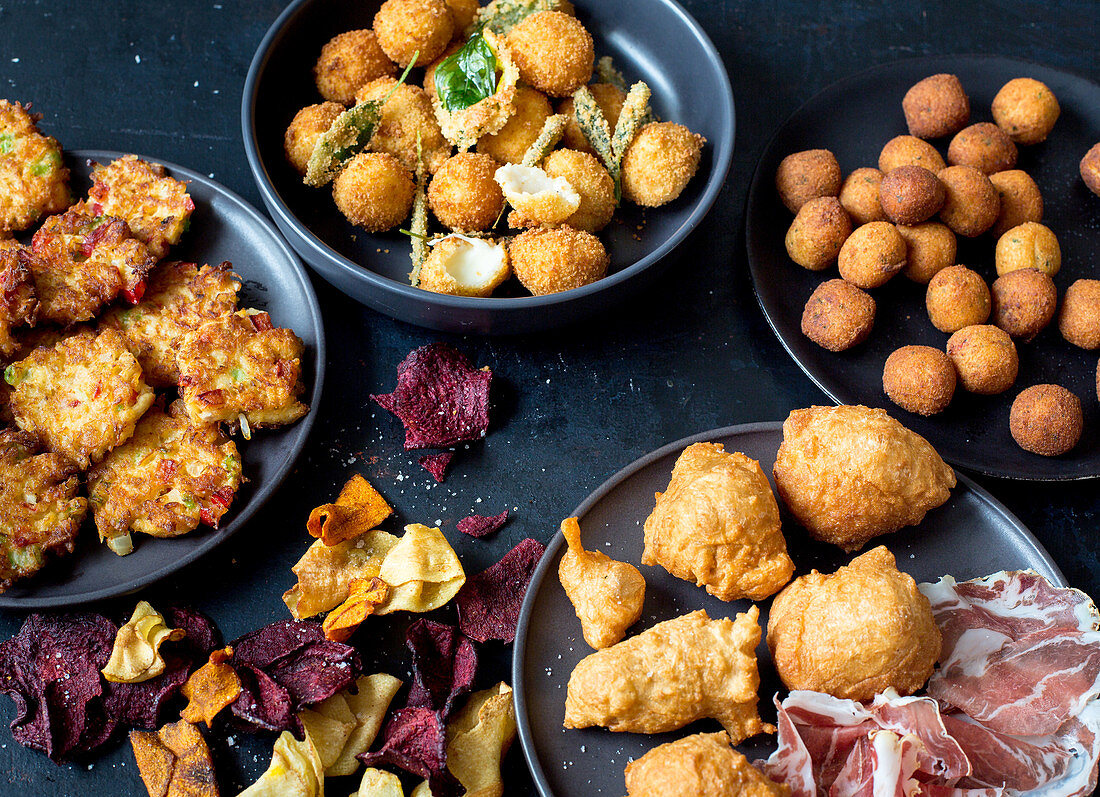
pixel 571 407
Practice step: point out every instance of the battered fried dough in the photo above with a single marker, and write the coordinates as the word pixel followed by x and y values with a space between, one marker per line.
pixel 920 379
pixel 18 301
pixel 703 765
pixel 985 359
pixel 984 146
pixel 32 180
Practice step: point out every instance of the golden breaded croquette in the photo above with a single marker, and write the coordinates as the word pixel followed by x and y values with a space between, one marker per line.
pixel 554 52
pixel 1090 169
pixel 1021 200
pixel 33 182
pixel 920 379
pixel 305 128
pixel 609 98
pixel 407 117
pixel 984 146
pixel 985 359
pixel 1046 420
pixel 819 229
pixel 659 163
pixel 40 509
pixel 859 195
pixel 348 62
pixel 463 13
pixel 806 175
pixel 872 255
pixel 1024 302
pixel 461 266
pixel 591 181
pixel 838 315
pixel 374 191
pixel 929 249
pixel 81 396
pixel 910 195
pixel 559 259
pixel 909 151
pixel 971 205
pixel 1026 109
pixel 1079 318
pixel 180 298
pixel 957 297
pixel 408 28
pixel 936 107
pixel 1030 245
pixel 510 144
pixel 464 195
pixel 18 300
pixel 241 367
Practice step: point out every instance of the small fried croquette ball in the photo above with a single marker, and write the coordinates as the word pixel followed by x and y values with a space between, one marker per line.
pixel 1026 110
pixel 347 63
pixel 591 180
pixel 558 259
pixel 406 118
pixel 1090 169
pixel 522 128
pixel 838 315
pixel 463 13
pixel 984 146
pixel 1024 302
pixel 1020 200
pixel 957 297
pixel 872 255
pixel 463 194
pixel 374 191
pixel 306 127
pixel 1046 420
pixel 461 266
pixel 817 233
pixel 609 98
pixel 936 107
pixel 971 203
pixel 985 359
pixel 859 195
pixel 554 52
pixel 919 379
pixel 910 195
pixel 1079 320
pixel 659 163
pixel 1030 245
pixel 929 249
pixel 909 151
pixel 405 28
pixel 803 176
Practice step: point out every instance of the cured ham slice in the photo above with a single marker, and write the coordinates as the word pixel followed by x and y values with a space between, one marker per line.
pixel 881 764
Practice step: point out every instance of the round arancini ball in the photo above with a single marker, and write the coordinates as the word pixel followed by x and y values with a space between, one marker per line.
pixel 463 13
pixel 307 126
pixel 1046 420
pixel 1030 245
pixel 1079 320
pixel 510 144
pixel 1090 169
pixel 838 315
pixel 348 62
pixel 929 249
pixel 971 204
pixel 909 151
pixel 920 379
pixel 957 297
pixel 406 117
pixel 558 259
pixel 806 175
pixel 463 193
pixel 609 98
pixel 859 195
pixel 1024 302
pixel 984 146
pixel 659 163
pixel 985 359
pixel 910 195
pixel 407 28
pixel 1026 109
pixel 591 180
pixel 553 51
pixel 871 255
pixel 374 191
pixel 936 106
pixel 1020 200
pixel 817 233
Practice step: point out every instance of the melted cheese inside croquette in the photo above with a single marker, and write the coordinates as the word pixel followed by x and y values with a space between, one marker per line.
pixel 347 63
pixel 463 194
pixel 591 181
pixel 463 266
pixel 307 126
pixel 558 259
pixel 538 198
pixel 659 163
pixel 408 28
pixel 510 144
pixel 407 117
pixel 374 191
pixel 554 52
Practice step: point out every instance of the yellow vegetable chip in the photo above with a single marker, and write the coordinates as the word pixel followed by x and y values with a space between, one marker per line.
pixel 478 738
pixel 422 570
pixel 358 509
pixel 329 728
pixel 363 598
pixel 136 654
pixel 174 761
pixel 377 783
pixel 211 687
pixel 422 789
pixel 295 770
pixel 325 572
pixel 369 706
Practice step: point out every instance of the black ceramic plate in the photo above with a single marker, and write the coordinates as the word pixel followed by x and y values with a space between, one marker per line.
pixel 971 535
pixel 854 118
pixel 223 227
pixel 652 40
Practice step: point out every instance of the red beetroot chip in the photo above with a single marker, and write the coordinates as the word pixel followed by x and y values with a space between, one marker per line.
pixel 437 464
pixel 444 665
pixel 262 705
pixel 440 398
pixel 414 740
pixel 489 603
pixel 482 526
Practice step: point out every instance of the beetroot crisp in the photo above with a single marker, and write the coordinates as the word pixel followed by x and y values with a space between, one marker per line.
pixel 489 603
pixel 437 464
pixel 440 398
pixel 444 665
pixel 482 526
pixel 414 739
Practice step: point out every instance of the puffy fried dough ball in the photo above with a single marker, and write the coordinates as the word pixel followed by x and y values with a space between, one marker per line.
pixel 985 359
pixel 407 28
pixel 872 255
pixel 554 52
pixel 659 163
pixel 591 181
pixel 910 195
pixel 859 195
pixel 838 315
pixel 1030 245
pixel 957 297
pixel 971 203
pixel 856 632
pixel 609 98
pixel 919 379
pixel 1046 420
pixel 984 146
pixel 559 259
pixel 806 175
pixel 909 151
pixel 1079 321
pixel 851 473
pixel 1026 109
pixel 374 191
pixel 936 106
pixel 929 249
pixel 463 194
pixel 406 118
pixel 1024 302
pixel 703 765
pixel 347 63
pixel 1090 169
pixel 510 144
pixel 815 236
pixel 1020 200
pixel 463 13
pixel 305 128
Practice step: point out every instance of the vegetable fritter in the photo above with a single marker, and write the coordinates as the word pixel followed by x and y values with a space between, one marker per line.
pixel 32 180
pixel 18 301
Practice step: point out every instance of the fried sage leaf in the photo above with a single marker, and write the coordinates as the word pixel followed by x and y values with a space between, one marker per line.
pixel 552 131
pixel 606 72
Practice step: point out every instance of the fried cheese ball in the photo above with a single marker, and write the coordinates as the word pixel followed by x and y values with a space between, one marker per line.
pixel 1026 109
pixel 659 163
pixel 872 255
pixel 1046 420
pixel 408 28
pixel 806 175
pixel 374 191
pixel 985 359
pixel 957 297
pixel 909 151
pixel 702 765
pixel 859 195
pixel 33 182
pixel 1090 169
pixel 1030 245
pixel 510 144
pixel 81 397
pixel 856 632
pixel 984 146
pixel 929 249
pixel 1021 200
pixel 838 315
pixel 936 107
pixel 851 473
pixel 407 117
pixel 1079 320
pixel 539 199
pixel 461 266
pixel 919 379
pixel 971 205
pixel 308 125
pixel 348 62
pixel 464 194
pixel 592 182
pixel 910 195
pixel 1024 302
pixel 18 300
pixel 609 98
pixel 559 259
pixel 463 12
pixel 554 52
pixel 818 231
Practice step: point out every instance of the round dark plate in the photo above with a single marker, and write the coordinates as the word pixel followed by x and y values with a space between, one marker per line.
pixel 854 118
pixel 971 535
pixel 223 227
pixel 652 40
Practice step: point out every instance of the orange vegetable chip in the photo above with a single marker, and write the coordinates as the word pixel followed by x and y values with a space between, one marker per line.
pixel 211 687
pixel 364 597
pixel 175 761
pixel 358 509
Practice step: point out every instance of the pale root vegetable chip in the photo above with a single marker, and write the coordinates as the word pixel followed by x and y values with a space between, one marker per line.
pixel 369 706
pixel 422 789
pixel 325 572
pixel 329 724
pixel 174 761
pixel 136 654
pixel 211 687
pixel 358 509
pixel 295 770
pixel 478 737
pixel 378 783
pixel 422 571
pixel 364 597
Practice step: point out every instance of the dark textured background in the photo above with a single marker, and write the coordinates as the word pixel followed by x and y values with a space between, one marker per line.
pixel 572 406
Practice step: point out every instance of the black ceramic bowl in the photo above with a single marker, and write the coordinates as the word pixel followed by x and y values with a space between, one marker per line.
pixel 652 40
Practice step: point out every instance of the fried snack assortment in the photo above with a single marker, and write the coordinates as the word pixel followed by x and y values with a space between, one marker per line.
pixel 702 765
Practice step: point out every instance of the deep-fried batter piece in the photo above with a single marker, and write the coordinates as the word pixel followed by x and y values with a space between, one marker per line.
pixel 81 396
pixel 32 180
pixel 40 511
pixel 18 300
pixel 703 765
pixel 180 298
pixel 677 672
pixel 241 367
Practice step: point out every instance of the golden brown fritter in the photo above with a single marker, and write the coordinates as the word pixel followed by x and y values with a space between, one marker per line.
pixel 592 182
pixel 81 397
pixel 819 229
pixel 1046 420
pixel 985 359
pixel 984 146
pixel 929 249
pixel 971 203
pixel 374 191
pixel 461 266
pixel 1090 169
pixel 910 195
pixel 703 765
pixel 413 28
pixel 1079 318
pixel 1028 245
pixel 909 150
pixel 180 298
pixel 32 180
pixel 463 194
pixel 957 297
pixel 920 379
pixel 659 163
pixel 1021 200
pixel 18 300
pixel 407 117
pixel 1024 302
pixel 554 52
pixel 1026 109
pixel 806 175
pixel 859 195
pixel 872 255
pixel 936 106
pixel 558 259
pixel 348 62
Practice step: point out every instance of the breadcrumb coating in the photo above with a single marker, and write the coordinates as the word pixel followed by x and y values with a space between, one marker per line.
pixel 374 191
pixel 305 128
pixel 559 259
pixel 18 300
pixel 659 163
pixel 408 29
pixel 407 118
pixel 348 62
pixel 554 52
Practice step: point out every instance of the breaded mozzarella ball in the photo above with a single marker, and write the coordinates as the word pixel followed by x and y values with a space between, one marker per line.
pixel 463 194
pixel 407 117
pixel 307 126
pixel 408 28
pixel 374 191
pixel 659 163
pixel 347 63
pixel 554 52
pixel 559 259
pixel 462 266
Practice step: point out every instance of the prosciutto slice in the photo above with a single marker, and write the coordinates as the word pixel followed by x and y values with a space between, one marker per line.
pixel 881 764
